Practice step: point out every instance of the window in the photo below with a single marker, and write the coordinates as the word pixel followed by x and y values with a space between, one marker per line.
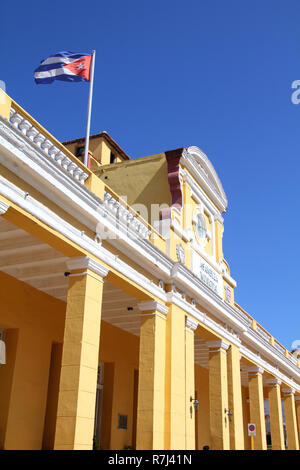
pixel 79 151
pixel 122 421
pixel 112 158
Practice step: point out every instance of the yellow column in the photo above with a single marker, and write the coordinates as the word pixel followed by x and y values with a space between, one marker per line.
pixel 151 389
pixel 77 391
pixel 190 327
pixel 236 425
pixel 257 410
pixel 290 419
pixel 175 409
pixel 276 419
pixel 218 395
pixel 297 405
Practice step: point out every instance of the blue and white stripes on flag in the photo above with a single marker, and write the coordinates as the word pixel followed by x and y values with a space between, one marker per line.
pixel 65 66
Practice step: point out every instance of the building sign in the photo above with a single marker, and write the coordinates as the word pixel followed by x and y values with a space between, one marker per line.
pixel 207 274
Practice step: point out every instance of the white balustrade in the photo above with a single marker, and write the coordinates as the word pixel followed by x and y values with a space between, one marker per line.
pixel 47 146
pixel 125 215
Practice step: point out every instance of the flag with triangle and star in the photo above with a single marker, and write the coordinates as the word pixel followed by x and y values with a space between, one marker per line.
pixel 65 66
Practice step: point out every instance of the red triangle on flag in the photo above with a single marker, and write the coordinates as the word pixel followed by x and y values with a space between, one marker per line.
pixel 81 67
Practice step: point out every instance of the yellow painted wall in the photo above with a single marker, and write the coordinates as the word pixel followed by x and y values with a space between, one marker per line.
pixel 39 321
pixel 144 181
pixel 121 349
pixel 52 396
pixel 201 386
pixel 6 378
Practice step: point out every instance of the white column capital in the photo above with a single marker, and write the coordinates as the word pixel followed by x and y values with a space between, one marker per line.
pixel 84 262
pixel 153 306
pixel 255 370
pixel 273 381
pixel 288 391
pixel 190 323
pixel 218 345
pixel 3 207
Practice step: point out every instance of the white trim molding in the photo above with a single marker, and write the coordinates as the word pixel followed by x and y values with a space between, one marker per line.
pixel 3 207
pixel 203 171
pixel 288 391
pixel 217 346
pixel 191 324
pixel 153 306
pixel 84 262
pixel 255 371
pixel 273 381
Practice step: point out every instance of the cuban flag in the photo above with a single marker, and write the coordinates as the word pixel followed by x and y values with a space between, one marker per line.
pixel 65 66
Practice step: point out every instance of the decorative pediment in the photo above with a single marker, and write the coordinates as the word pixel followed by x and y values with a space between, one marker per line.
pixel 204 173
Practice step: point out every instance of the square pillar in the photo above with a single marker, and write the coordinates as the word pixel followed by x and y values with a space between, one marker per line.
pixel 236 425
pixel 218 395
pixel 290 419
pixel 190 327
pixel 257 409
pixel 276 419
pixel 175 405
pixel 78 379
pixel 151 387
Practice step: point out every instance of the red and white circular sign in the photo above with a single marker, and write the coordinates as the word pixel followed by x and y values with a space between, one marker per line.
pixel 251 429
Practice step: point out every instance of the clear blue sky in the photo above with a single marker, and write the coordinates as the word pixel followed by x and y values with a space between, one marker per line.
pixel 213 73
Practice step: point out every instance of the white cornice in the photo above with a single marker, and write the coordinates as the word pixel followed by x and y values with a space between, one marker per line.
pixel 229 279
pixel 253 339
pixel 152 306
pixel 194 159
pixel 84 262
pixel 214 346
pixel 200 196
pixel 288 391
pixel 3 207
pixel 191 324
pixel 203 318
pixel 255 370
pixel 273 381
pixel 249 354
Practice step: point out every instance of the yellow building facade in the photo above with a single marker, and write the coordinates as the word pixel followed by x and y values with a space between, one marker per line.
pixel 118 324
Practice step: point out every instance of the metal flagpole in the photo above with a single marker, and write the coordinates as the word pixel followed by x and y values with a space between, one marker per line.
pixel 88 120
